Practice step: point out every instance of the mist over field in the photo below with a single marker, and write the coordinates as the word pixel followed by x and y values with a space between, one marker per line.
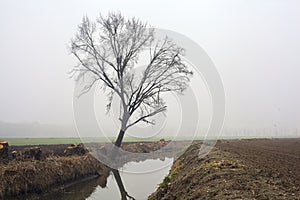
pixel 254 45
pixel 35 130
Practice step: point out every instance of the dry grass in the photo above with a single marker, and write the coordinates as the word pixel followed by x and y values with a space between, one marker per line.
pixel 19 177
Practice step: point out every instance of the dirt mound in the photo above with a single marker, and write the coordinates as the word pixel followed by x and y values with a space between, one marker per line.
pixel 25 154
pixel 224 174
pixel 33 153
pixel 143 147
pixel 76 149
pixel 47 150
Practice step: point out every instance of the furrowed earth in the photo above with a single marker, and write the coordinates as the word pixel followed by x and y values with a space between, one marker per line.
pixel 236 169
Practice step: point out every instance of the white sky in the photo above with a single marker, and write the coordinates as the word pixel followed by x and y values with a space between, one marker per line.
pixel 254 44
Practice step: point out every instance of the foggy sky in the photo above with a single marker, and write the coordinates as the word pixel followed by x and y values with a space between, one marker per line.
pixel 255 46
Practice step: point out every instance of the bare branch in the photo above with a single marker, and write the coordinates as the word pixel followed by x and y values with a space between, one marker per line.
pixel 143 118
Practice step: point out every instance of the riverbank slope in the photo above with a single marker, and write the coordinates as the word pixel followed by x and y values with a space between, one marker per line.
pixel 237 169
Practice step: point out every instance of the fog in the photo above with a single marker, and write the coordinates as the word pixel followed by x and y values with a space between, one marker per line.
pixel 254 45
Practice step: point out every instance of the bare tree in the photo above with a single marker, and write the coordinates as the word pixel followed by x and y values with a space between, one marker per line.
pixel 108 49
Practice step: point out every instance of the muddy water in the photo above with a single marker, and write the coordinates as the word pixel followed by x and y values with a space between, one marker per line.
pixel 137 179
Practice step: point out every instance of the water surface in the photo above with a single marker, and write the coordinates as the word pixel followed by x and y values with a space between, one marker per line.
pixel 137 178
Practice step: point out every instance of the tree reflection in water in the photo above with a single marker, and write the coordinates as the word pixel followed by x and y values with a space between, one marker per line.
pixel 122 189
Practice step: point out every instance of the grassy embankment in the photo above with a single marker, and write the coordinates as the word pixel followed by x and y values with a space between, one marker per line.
pixel 21 177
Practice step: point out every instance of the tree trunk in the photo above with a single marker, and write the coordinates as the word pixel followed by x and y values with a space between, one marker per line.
pixel 120 138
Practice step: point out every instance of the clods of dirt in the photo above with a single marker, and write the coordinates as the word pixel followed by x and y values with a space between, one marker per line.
pixel 238 169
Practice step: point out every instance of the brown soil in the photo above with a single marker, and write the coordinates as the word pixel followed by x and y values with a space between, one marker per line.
pixel 237 169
